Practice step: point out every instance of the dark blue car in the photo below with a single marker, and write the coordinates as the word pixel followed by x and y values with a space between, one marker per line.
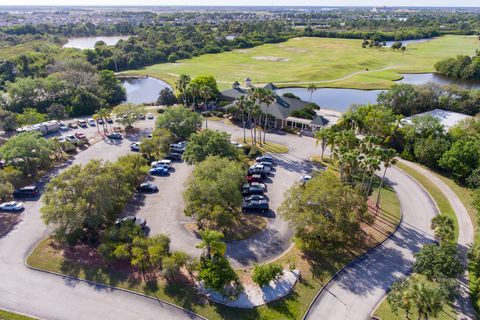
pixel 159 171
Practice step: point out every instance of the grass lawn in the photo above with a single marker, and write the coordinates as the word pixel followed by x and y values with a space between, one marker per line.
pixel 437 195
pixel 325 61
pixel 268 147
pixel 7 52
pixel 6 315
pixel 50 257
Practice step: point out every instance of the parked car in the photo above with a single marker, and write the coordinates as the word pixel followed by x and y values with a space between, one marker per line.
pixel 135 146
pixel 115 136
pixel 266 158
pixel 63 127
pixel 255 206
pixel 253 188
pixel 174 156
pixel 255 197
pixel 255 178
pixel 141 117
pixel 178 147
pixel 80 136
pixel 91 122
pixel 147 187
pixel 159 171
pixel 71 138
pixel 142 223
pixel 61 139
pixel 261 168
pixel 252 171
pixel 305 178
pixel 82 123
pixel 109 120
pixel 26 192
pixel 100 121
pixel 236 144
pixel 266 164
pixel 73 125
pixel 12 206
pixel 150 115
pixel 164 162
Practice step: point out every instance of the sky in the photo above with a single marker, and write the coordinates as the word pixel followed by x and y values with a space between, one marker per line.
pixel 436 3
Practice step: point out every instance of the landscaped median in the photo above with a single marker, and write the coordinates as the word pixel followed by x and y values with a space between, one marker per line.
pixel 80 262
pixel 7 315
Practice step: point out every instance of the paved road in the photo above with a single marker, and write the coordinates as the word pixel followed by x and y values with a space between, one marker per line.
pixel 355 292
pixel 463 304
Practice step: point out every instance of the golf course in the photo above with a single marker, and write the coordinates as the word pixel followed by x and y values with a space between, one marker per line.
pixel 327 62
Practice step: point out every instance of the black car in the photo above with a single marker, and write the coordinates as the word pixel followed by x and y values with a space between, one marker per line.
pixel 147 187
pixel 174 156
pixel 26 192
pixel 253 188
pixel 256 197
pixel 253 171
pixel 255 206
pixel 115 136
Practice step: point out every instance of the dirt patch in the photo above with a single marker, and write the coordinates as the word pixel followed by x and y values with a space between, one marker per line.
pixel 271 58
pixel 242 50
pixel 7 221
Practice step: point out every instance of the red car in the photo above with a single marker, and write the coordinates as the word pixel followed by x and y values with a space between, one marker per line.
pixel 254 178
pixel 80 136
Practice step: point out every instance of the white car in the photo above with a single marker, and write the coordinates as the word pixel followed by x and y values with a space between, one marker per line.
pixel 261 167
pixel 91 122
pixel 71 138
pixel 11 206
pixel 236 144
pixel 135 146
pixel 164 162
pixel 305 178
pixel 150 115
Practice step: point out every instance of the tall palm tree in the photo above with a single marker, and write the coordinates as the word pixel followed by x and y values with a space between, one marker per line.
pixel 322 136
pixel 267 97
pixel 193 90
pixel 387 156
pixel 181 85
pixel 206 93
pixel 211 243
pixel 102 114
pixel 428 300
pixel 256 116
pixel 241 104
pixel 311 89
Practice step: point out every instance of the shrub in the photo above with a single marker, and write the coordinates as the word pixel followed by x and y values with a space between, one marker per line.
pixel 290 95
pixel 262 274
pixel 253 152
pixel 216 273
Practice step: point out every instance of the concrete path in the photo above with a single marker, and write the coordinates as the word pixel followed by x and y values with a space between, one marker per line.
pixel 463 304
pixel 355 291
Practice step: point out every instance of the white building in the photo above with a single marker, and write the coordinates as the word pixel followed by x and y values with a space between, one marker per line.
pixel 447 118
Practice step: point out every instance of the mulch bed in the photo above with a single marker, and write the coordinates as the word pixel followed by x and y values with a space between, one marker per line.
pixel 7 221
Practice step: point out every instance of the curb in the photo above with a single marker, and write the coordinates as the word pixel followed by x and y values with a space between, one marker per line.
pixel 352 262
pixel 102 285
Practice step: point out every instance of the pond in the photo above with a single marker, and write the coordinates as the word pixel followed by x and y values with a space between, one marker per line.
pixel 143 90
pixel 422 78
pixel 407 42
pixel 89 42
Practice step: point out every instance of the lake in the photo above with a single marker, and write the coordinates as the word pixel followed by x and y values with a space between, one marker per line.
pixel 407 42
pixel 89 42
pixel 143 90
pixel 146 90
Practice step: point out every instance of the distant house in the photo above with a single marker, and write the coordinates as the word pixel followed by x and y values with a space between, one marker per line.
pixel 280 110
pixel 447 118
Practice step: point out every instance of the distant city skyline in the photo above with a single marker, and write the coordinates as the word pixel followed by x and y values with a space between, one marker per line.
pixel 403 3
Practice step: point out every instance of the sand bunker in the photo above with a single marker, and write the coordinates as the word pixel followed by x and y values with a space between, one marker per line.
pixel 270 58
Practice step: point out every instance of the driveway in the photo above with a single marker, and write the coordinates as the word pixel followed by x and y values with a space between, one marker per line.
pixel 463 303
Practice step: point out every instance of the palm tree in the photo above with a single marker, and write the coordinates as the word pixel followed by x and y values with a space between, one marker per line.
pixel 311 89
pixel 428 300
pixel 206 93
pixel 256 116
pixel 181 85
pixel 443 227
pixel 387 156
pixel 322 136
pixel 102 114
pixel 267 97
pixel 211 243
pixel 241 104
pixel 193 90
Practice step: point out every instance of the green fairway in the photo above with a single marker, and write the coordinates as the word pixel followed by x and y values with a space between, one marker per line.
pixel 324 61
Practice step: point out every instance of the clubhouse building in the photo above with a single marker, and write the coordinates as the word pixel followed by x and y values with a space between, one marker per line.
pixel 279 112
